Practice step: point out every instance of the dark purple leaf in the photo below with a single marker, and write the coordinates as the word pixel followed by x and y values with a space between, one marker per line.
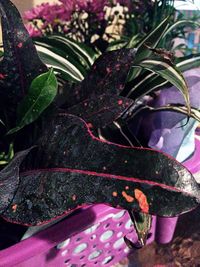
pixel 75 168
pixel 20 64
pixel 9 179
pixel 101 111
pixel 107 76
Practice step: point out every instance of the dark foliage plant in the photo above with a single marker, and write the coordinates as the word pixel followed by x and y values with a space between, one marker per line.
pixel 61 163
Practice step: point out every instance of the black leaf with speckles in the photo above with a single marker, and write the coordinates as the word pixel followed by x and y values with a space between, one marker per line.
pixel 75 168
pixel 107 76
pixel 9 179
pixel 101 111
pixel 20 64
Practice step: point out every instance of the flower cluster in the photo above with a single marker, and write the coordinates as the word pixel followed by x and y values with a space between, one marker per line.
pixel 79 19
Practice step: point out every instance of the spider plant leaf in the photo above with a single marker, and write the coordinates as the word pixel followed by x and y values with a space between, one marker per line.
pixel 152 39
pixel 20 64
pixel 183 22
pixel 169 72
pixel 188 62
pixel 151 81
pixel 130 178
pixel 79 51
pixel 195 113
pixel 69 70
pixel 41 93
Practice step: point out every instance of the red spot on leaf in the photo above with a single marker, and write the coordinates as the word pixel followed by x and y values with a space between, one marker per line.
pixel 127 197
pixel 120 102
pixel 20 45
pixel 117 67
pixel 2 76
pixel 142 200
pixel 14 207
pixel 108 70
pixel 89 125
pixel 74 197
pixel 114 194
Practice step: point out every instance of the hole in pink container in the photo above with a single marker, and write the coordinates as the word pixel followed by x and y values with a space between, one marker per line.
pixel 129 224
pixel 107 225
pixel 82 257
pixel 95 254
pixel 118 215
pixel 106 235
pixel 107 260
pixel 119 224
pixel 80 248
pixel 63 244
pixel 118 243
pixel 64 252
pixel 119 234
pixel 93 237
pixel 67 261
pixel 78 239
pixel 92 229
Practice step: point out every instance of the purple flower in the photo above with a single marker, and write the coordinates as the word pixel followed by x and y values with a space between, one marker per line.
pixel 33 32
pixel 37 12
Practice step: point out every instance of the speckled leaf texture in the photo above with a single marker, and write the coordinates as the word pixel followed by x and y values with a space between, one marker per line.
pixel 74 169
pixel 102 110
pixel 20 64
pixel 107 76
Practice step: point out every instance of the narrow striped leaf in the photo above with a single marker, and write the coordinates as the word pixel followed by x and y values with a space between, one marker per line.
pixel 59 63
pixel 169 72
pixel 152 39
pixel 185 22
pixel 71 57
pixel 154 82
pixel 83 51
pixel 195 113
pixel 189 62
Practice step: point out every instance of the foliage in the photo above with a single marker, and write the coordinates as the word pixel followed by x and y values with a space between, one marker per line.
pixel 62 160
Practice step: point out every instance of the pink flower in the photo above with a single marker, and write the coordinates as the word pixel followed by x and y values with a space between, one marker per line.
pixel 33 32
pixel 37 12
pixel 50 13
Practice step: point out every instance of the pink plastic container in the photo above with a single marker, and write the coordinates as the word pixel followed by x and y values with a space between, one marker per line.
pixel 90 237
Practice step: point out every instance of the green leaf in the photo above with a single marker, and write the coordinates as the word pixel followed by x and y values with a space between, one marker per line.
pixel 142 223
pixel 41 93
pixel 170 73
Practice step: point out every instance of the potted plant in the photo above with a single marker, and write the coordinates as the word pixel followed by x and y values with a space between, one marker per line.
pixel 64 154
